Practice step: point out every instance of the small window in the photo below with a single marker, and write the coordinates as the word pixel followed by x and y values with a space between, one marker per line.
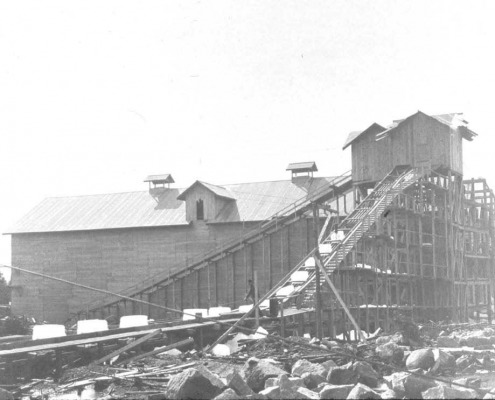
pixel 200 213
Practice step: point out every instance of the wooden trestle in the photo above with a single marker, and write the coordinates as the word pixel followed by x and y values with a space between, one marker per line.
pixel 429 257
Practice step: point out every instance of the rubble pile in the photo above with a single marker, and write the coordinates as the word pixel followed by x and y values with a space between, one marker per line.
pixel 452 363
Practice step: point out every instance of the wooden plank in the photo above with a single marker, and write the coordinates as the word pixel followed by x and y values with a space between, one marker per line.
pixel 128 347
pixel 337 295
pixel 157 351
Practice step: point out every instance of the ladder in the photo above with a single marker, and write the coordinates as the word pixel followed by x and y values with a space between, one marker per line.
pixel 357 223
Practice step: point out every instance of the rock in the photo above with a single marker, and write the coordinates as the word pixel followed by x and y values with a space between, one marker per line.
pixel 328 365
pixel 366 374
pixel 6 395
pixel 288 390
pixel 270 382
pixel 303 366
pixel 445 392
pixel 361 391
pixel 312 380
pixel 389 394
pixel 256 372
pixel 234 381
pixel 415 385
pixel 422 358
pixel 335 391
pixel 447 341
pixel 396 382
pixel 470 381
pixel 443 361
pixel 298 381
pixel 390 351
pixel 228 394
pixel 304 393
pixel 403 383
pixel 489 396
pixel 343 375
pixel 191 384
pixel 463 362
pixel 272 392
pixel 213 378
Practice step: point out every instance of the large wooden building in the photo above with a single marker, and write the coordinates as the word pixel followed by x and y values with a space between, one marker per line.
pixel 429 253
pixel 113 241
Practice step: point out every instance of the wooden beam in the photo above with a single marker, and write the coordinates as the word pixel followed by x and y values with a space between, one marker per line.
pixel 337 295
pixel 128 347
pixel 157 351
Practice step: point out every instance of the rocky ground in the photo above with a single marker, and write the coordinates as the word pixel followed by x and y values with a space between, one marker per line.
pixel 429 362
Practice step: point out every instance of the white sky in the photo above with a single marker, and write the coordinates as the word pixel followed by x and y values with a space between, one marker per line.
pixel 95 95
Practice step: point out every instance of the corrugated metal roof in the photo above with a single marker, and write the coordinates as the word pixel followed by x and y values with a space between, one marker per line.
pixel 254 202
pixel 302 167
pixel 356 134
pixel 218 190
pixel 259 201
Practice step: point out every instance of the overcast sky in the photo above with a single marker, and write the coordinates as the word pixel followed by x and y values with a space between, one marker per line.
pixel 95 95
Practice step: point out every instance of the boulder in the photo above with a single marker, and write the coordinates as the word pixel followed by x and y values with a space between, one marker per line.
pixel 366 374
pixel 328 365
pixel 361 391
pixel 6 395
pixel 463 362
pixel 303 366
pixel 256 372
pixel 422 358
pixel 489 396
pixel 270 382
pixel 445 392
pixel 298 381
pixel 443 361
pixel 390 351
pixel 470 381
pixel 415 385
pixel 447 341
pixel 304 393
pixel 234 381
pixel 312 380
pixel 343 375
pixel 271 392
pixel 213 378
pixel 228 394
pixel 335 391
pixel 405 384
pixel 288 390
pixel 389 394
pixel 396 382
pixel 191 384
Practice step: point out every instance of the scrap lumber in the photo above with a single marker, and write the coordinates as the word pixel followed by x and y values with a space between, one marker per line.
pixel 71 343
pixel 157 351
pixel 128 347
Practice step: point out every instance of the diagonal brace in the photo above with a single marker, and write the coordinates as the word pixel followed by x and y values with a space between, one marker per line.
pixel 337 295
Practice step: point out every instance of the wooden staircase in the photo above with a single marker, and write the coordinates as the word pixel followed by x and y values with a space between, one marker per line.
pixel 360 221
pixel 355 226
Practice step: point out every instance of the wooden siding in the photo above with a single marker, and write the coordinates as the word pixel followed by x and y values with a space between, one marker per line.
pixel 418 141
pixel 111 260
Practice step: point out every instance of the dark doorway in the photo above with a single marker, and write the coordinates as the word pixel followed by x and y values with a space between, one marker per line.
pixel 200 212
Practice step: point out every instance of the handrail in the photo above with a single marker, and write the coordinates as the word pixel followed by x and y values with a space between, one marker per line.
pixel 273 220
